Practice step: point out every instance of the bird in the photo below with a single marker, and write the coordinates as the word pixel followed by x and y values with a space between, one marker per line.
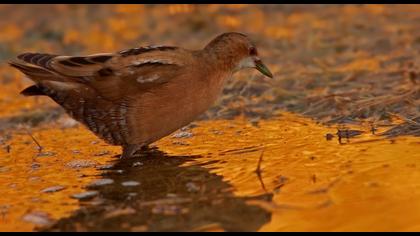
pixel 134 97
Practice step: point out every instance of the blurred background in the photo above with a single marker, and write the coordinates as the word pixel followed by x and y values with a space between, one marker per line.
pixel 329 61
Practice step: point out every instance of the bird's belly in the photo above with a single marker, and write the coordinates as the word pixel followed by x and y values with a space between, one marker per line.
pixel 160 114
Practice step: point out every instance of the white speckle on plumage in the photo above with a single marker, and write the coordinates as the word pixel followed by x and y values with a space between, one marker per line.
pixel 143 80
pixel 161 61
pixel 154 46
pixel 127 50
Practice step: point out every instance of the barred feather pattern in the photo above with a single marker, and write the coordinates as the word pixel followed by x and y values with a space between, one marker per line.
pixel 140 50
pixel 108 124
pixel 39 59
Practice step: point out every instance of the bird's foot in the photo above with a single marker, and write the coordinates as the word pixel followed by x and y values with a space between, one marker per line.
pixel 130 150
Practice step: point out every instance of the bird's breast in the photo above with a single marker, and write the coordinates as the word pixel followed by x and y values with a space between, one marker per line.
pixel 162 111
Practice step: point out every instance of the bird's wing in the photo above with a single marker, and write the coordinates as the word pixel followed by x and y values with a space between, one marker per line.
pixel 112 75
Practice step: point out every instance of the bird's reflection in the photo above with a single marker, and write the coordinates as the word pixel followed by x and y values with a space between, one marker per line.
pixel 155 192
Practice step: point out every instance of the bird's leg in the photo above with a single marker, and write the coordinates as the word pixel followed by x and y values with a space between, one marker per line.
pixel 130 149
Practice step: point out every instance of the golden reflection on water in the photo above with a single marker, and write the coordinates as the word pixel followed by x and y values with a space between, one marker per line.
pixel 369 183
pixel 366 183
pixel 24 173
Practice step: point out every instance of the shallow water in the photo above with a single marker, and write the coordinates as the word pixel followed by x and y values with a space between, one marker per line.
pixel 277 175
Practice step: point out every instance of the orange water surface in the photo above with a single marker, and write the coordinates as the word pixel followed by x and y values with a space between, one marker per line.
pixel 365 183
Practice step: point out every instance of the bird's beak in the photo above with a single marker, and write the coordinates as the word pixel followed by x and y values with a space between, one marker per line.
pixel 263 69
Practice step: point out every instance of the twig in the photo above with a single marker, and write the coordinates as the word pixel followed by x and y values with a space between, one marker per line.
pixel 8 148
pixel 258 171
pixel 36 142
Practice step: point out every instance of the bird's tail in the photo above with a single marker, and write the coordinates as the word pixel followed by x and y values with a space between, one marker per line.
pixel 36 67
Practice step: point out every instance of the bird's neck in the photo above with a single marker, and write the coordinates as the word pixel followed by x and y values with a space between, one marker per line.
pixel 219 57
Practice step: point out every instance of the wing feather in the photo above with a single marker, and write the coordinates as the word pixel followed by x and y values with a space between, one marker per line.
pixel 112 75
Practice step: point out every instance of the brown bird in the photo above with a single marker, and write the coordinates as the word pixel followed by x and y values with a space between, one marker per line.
pixel 135 97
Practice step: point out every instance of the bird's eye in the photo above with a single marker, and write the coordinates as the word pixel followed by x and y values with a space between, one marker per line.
pixel 253 51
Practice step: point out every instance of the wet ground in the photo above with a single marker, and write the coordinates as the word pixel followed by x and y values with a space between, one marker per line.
pixel 281 174
pixel 331 144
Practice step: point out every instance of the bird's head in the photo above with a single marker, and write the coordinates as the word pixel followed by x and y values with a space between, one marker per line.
pixel 238 52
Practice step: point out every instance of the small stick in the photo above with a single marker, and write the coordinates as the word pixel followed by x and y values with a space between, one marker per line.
pixel 347 135
pixel 339 136
pixel 36 142
pixel 258 171
pixel 372 127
